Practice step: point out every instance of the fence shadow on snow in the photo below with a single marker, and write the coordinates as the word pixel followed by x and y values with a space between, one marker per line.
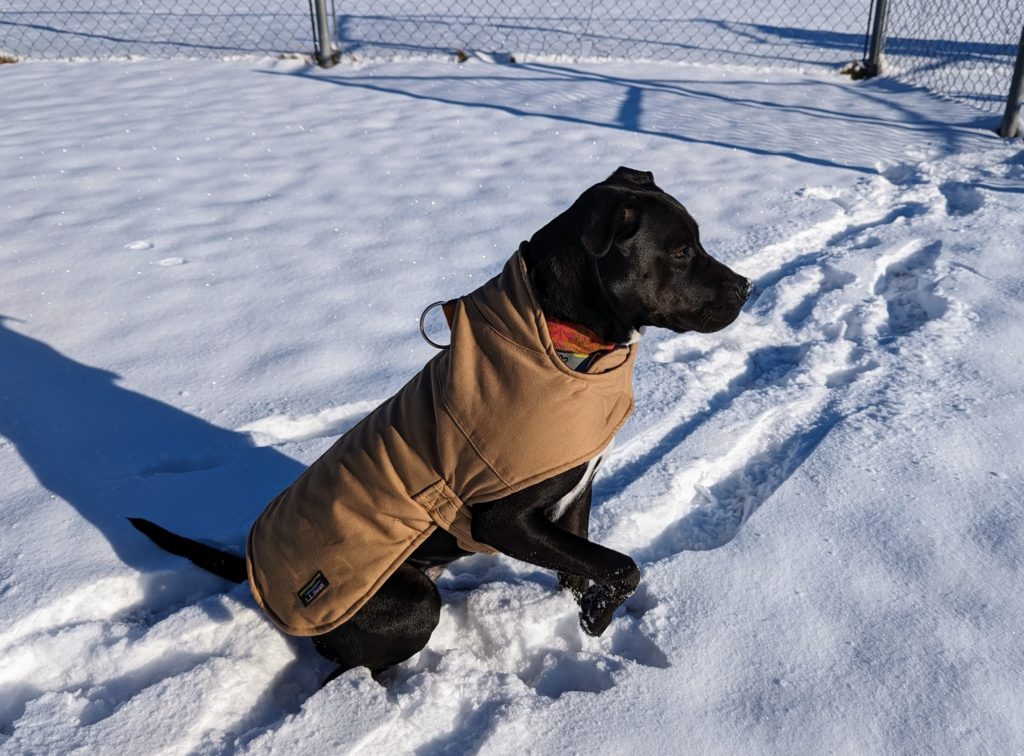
pixel 631 95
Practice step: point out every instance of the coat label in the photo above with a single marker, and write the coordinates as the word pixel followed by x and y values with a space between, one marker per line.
pixel 313 588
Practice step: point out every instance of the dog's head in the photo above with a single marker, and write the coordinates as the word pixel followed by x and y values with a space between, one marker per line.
pixel 636 254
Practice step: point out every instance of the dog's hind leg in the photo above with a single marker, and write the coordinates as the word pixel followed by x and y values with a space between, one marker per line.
pixel 389 628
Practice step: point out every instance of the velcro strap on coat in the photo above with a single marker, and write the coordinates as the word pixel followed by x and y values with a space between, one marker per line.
pixel 449 512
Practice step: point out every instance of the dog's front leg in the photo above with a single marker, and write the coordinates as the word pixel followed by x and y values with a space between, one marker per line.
pixel 576 520
pixel 518 525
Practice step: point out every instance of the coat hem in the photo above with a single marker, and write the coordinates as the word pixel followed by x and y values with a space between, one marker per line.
pixel 257 593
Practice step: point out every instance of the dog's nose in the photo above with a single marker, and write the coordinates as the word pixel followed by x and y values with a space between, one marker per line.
pixel 740 291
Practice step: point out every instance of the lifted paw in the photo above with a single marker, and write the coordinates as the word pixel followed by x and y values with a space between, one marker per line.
pixel 599 601
pixel 597 607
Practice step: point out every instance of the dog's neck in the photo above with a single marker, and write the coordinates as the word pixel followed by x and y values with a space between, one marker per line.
pixel 576 345
pixel 568 288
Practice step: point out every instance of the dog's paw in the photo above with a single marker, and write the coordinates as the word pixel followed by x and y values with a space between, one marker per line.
pixel 599 601
pixel 574 583
pixel 597 607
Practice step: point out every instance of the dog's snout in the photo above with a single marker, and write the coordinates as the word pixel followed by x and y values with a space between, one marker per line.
pixel 741 290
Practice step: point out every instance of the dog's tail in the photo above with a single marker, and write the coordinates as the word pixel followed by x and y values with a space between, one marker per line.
pixel 220 563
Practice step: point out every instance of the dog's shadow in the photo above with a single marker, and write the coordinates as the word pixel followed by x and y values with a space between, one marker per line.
pixel 111 453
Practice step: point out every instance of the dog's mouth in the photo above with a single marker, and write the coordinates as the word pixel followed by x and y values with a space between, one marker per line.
pixel 716 319
pixel 708 321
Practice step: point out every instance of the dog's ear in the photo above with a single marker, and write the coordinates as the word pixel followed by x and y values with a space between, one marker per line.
pixel 609 216
pixel 631 177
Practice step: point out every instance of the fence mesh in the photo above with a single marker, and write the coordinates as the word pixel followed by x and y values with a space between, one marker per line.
pixel 70 29
pixel 964 50
pixel 775 32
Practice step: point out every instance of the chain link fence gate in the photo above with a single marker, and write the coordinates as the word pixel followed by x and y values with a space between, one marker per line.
pixel 960 48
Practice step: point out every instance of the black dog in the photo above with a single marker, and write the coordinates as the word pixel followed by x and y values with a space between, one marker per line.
pixel 626 255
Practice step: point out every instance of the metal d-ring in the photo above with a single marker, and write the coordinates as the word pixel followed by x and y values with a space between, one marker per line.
pixel 423 330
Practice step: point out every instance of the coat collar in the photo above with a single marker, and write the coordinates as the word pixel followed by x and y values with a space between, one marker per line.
pixel 509 305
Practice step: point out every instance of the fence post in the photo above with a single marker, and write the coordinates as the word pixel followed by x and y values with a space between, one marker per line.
pixel 873 65
pixel 327 53
pixel 1010 127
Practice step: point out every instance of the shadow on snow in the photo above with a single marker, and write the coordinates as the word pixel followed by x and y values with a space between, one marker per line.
pixel 111 453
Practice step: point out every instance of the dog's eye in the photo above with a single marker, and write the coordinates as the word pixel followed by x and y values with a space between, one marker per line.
pixel 683 253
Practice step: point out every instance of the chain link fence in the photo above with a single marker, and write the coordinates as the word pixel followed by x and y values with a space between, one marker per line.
pixel 963 49
pixel 772 33
pixel 98 29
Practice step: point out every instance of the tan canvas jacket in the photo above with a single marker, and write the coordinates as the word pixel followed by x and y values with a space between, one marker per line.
pixel 496 412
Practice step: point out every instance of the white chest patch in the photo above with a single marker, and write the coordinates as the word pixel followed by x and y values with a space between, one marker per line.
pixel 557 509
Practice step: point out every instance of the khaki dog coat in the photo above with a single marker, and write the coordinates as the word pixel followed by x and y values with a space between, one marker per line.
pixel 494 413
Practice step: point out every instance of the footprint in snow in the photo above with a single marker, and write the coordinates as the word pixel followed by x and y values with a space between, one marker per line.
pixel 903 174
pixel 961 199
pixel 140 245
pixel 170 262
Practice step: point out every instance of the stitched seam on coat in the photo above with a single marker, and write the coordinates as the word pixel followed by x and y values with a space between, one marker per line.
pixel 455 420
pixel 439 491
pixel 543 475
pixel 458 424
pixel 427 498
pixel 487 324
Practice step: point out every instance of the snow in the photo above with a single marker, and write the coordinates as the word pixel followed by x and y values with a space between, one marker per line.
pixel 213 269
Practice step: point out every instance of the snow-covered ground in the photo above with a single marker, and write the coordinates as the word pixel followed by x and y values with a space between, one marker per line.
pixel 210 270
